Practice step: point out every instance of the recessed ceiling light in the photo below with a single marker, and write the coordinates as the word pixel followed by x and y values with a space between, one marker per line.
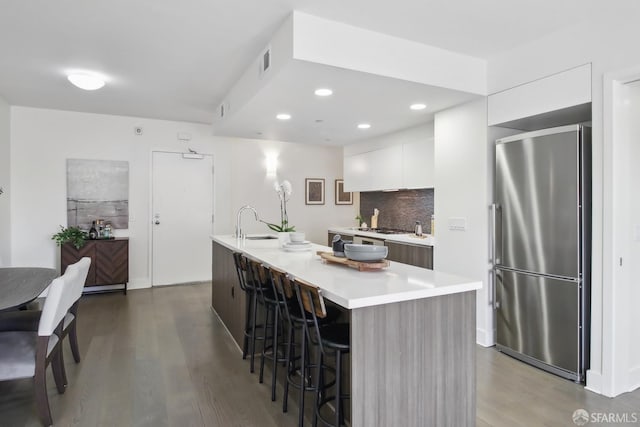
pixel 418 106
pixel 283 116
pixel 364 126
pixel 323 92
pixel 86 81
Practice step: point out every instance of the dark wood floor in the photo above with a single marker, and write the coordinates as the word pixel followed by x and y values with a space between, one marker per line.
pixel 160 357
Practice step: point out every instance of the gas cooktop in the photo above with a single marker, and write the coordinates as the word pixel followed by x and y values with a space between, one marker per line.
pixel 385 230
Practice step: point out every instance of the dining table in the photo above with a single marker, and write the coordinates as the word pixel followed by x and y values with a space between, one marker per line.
pixel 21 285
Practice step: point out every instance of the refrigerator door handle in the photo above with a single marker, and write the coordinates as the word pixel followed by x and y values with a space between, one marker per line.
pixel 493 290
pixel 496 232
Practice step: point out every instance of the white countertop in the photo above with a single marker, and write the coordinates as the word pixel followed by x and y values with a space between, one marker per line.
pixel 425 240
pixel 347 286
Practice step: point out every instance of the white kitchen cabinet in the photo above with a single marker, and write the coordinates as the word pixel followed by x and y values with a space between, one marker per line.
pixel 407 165
pixel 374 170
pixel 386 170
pixel 417 164
pixel 356 173
pixel 556 92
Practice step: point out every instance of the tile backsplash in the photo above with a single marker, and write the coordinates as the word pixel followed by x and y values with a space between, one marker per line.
pixel 399 209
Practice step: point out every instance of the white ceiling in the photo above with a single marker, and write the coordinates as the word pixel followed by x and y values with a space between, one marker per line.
pixel 176 60
pixel 357 98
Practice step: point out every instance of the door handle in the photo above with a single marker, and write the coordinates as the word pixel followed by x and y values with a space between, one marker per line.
pixel 157 222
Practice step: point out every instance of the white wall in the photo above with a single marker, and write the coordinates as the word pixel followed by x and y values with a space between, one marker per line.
pixel 462 153
pixel 5 149
pixel 42 140
pixel 634 226
pixel 609 44
pixel 295 163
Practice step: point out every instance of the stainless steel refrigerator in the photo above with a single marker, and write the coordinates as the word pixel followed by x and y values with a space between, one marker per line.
pixel 541 248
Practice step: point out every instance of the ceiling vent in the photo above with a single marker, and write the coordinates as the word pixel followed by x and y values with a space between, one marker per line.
pixel 223 110
pixel 265 62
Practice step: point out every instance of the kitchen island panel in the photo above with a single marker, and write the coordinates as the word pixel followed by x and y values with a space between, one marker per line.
pixel 413 362
pixel 227 299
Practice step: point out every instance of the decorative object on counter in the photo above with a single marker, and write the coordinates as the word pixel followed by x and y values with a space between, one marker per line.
pixel 93 232
pixel 284 192
pixel 418 229
pixel 328 257
pixel 314 191
pixel 374 218
pixel 365 252
pixel 343 197
pixel 360 219
pixel 297 236
pixel 73 235
pixel 97 189
pixel 297 246
pixel 337 244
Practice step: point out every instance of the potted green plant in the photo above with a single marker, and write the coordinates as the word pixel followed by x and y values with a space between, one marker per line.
pixel 74 235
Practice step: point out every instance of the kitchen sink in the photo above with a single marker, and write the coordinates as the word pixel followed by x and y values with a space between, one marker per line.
pixel 261 237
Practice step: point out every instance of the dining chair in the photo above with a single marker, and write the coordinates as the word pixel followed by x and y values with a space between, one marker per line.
pixel 28 320
pixel 27 354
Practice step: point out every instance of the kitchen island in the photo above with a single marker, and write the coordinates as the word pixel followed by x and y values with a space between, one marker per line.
pixel 412 332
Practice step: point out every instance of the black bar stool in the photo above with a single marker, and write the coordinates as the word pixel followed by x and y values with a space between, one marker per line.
pixel 295 321
pixel 250 288
pixel 332 340
pixel 271 333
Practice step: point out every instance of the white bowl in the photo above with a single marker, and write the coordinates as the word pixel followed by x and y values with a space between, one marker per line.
pixel 296 236
pixel 365 252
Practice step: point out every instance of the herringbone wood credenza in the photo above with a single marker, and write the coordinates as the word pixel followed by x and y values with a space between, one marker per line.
pixel 109 261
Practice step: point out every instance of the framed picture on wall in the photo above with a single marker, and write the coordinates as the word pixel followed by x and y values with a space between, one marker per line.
pixel 343 197
pixel 314 191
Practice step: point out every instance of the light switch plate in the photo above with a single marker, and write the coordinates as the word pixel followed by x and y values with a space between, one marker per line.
pixel 458 224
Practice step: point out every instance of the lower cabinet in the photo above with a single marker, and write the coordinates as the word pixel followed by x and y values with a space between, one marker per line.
pixel 109 261
pixel 418 255
pixel 227 298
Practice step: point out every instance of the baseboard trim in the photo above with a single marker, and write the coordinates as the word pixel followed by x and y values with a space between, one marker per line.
pixel 482 338
pixel 634 378
pixel 594 381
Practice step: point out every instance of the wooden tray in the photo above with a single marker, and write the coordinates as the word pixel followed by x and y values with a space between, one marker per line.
pixel 360 265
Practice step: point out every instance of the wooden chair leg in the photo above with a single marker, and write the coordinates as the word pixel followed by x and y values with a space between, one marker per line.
pixel 73 341
pixel 42 399
pixel 59 373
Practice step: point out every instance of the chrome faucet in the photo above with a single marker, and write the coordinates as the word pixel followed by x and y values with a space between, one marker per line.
pixel 239 233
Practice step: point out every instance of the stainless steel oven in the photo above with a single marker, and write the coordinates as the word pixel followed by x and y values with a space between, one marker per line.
pixel 367 241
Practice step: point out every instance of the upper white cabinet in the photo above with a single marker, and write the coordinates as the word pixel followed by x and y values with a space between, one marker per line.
pixel 408 165
pixel 556 92
pixel 417 164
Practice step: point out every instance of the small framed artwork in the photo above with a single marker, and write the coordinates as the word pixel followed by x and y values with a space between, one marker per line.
pixel 314 191
pixel 343 197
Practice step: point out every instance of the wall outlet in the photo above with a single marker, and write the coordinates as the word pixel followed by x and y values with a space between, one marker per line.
pixel 457 224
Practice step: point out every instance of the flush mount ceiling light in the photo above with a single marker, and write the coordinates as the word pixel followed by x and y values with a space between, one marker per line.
pixel 283 116
pixel 417 107
pixel 86 81
pixel 323 92
pixel 364 126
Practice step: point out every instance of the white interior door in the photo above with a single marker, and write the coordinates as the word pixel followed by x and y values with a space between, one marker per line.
pixel 182 210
